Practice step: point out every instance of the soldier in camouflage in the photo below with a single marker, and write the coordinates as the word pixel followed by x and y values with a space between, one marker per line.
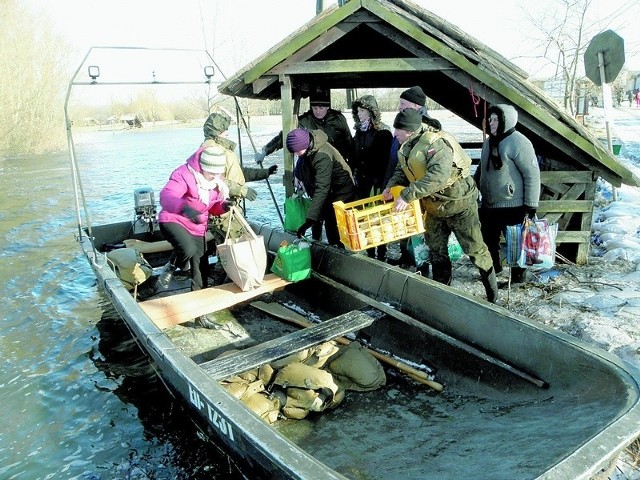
pixel 436 170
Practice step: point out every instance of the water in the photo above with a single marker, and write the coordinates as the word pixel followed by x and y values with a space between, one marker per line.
pixel 79 398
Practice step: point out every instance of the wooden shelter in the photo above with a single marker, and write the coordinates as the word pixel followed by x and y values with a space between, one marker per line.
pixel 396 44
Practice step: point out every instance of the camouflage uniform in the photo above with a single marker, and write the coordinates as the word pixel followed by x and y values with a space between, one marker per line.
pixel 435 169
pixel 235 175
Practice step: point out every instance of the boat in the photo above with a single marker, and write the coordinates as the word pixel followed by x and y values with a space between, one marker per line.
pixel 472 390
pixel 520 400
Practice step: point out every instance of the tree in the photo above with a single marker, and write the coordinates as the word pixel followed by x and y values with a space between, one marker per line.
pixel 565 36
pixel 34 74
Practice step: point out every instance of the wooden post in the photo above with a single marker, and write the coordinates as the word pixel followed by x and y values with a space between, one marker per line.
pixel 289 122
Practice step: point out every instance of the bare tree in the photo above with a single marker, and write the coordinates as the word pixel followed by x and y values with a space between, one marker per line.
pixel 563 35
pixel 34 73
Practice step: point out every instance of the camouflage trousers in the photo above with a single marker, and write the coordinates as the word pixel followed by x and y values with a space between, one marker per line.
pixel 466 227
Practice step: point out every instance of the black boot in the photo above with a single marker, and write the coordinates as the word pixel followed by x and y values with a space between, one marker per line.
pixel 171 272
pixel 442 272
pixel 164 279
pixel 518 275
pixel 488 278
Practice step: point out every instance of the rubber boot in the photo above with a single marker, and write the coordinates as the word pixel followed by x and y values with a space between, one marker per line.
pixel 442 272
pixel 518 275
pixel 171 272
pixel 490 283
pixel 164 279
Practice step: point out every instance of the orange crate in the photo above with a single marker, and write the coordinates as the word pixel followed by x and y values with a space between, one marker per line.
pixel 370 222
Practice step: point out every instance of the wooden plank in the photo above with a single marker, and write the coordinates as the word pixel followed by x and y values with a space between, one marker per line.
pixel 572 236
pixel 266 352
pixel 175 309
pixel 566 176
pixel 153 247
pixel 362 65
pixel 565 206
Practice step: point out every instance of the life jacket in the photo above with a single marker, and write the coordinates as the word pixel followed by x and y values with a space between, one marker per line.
pixel 414 164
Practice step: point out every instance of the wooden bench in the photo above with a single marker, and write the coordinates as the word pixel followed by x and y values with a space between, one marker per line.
pixel 175 309
pixel 266 352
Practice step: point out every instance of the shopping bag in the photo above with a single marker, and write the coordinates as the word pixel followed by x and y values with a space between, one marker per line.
pixel 538 243
pixel 418 249
pixel 295 212
pixel 244 259
pixel 293 261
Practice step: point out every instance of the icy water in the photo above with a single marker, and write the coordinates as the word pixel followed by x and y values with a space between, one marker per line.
pixel 79 398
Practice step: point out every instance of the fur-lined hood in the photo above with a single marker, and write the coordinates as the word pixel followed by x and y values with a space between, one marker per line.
pixel 369 102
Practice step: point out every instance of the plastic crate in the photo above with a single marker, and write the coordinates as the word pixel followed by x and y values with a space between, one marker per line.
pixel 370 222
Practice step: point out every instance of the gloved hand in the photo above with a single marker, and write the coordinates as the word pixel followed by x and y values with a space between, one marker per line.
pixel 250 194
pixel 304 227
pixel 191 213
pixel 273 169
pixel 259 156
pixel 529 211
pixel 226 206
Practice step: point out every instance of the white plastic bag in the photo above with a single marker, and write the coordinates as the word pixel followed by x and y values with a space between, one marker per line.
pixel 244 258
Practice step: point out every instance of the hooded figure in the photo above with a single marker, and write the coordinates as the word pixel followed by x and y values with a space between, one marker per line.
pixel 215 129
pixel 371 147
pixel 508 178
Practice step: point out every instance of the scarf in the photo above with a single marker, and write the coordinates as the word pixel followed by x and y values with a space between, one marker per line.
pixel 494 151
pixel 204 186
pixel 364 124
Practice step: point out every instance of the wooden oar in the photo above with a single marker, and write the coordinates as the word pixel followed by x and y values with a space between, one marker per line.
pixel 284 313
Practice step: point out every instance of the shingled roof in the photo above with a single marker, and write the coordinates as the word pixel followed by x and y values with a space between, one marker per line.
pixel 397 44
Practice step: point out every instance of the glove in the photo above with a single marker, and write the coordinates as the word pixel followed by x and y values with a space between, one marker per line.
pixel 529 211
pixel 191 213
pixel 273 169
pixel 259 157
pixel 250 194
pixel 304 227
pixel 226 206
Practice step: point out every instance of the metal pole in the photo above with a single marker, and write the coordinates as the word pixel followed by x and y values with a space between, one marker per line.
pixel 608 107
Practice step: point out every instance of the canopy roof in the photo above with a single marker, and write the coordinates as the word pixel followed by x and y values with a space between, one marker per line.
pixel 396 44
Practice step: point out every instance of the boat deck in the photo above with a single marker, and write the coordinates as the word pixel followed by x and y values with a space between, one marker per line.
pixel 397 430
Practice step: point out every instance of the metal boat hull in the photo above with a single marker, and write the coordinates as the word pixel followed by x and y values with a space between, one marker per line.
pixel 487 423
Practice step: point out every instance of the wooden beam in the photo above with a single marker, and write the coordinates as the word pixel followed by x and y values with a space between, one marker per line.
pixel 289 122
pixel 363 65
pixel 563 206
pixel 263 83
pixel 566 176
pixel 175 309
pixel 569 236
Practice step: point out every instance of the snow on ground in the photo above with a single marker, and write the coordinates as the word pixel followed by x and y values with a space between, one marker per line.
pixel 599 302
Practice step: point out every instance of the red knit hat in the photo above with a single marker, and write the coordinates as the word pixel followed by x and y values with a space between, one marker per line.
pixel 298 140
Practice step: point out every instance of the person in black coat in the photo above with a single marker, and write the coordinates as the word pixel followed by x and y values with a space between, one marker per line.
pixel 326 178
pixel 372 143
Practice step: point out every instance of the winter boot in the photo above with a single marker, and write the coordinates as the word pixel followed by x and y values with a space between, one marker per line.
pixel 170 272
pixel 490 283
pixel 442 272
pixel 164 279
pixel 518 275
